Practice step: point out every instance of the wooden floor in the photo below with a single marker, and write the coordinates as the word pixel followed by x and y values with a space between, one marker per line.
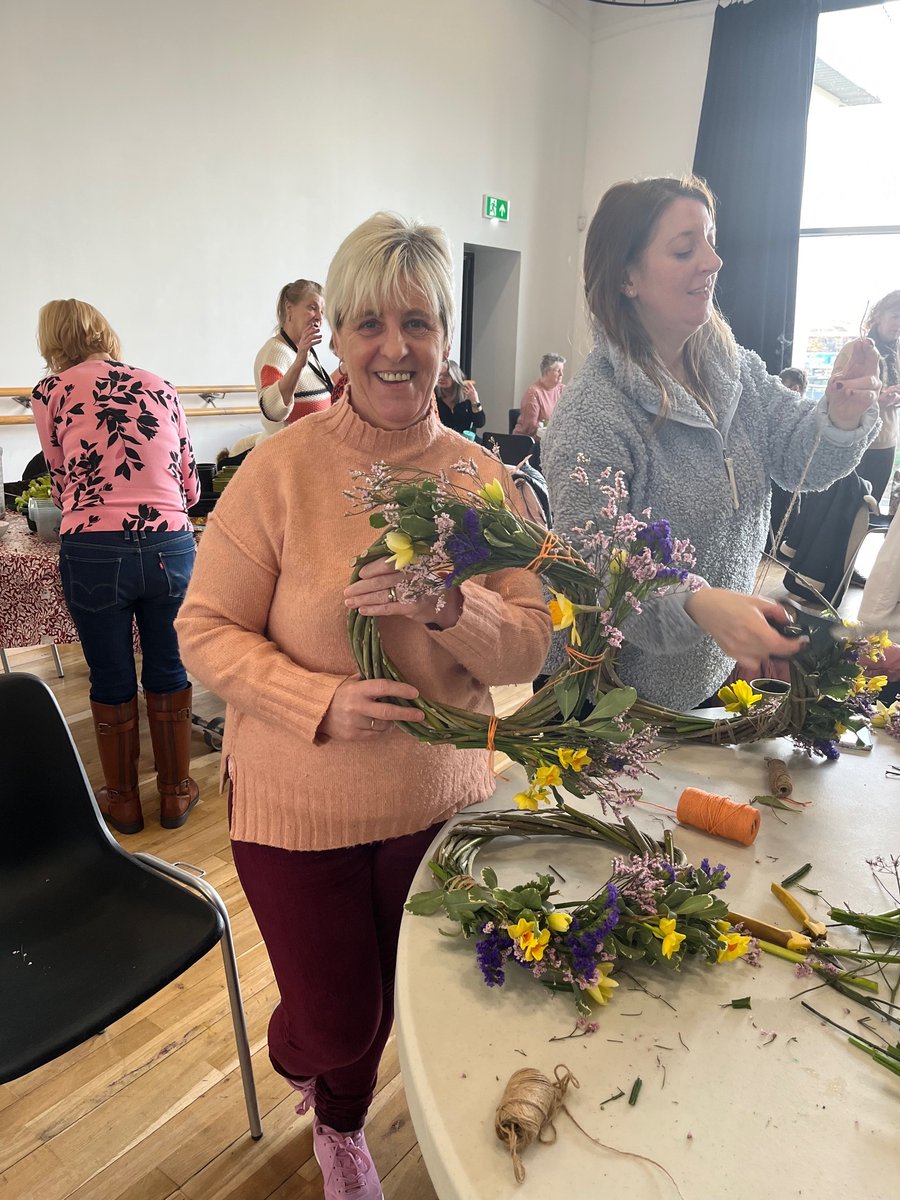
pixel 153 1109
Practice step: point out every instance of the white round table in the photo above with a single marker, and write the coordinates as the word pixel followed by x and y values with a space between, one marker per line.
pixel 765 1103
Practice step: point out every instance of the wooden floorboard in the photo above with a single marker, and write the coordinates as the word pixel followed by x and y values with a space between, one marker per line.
pixel 152 1109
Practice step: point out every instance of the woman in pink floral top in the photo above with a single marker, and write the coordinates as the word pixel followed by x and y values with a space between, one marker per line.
pixel 122 470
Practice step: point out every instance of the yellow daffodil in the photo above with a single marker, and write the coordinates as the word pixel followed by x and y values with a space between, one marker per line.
pixel 617 561
pixel 573 760
pixel 521 929
pixel 734 945
pixel 738 696
pixel 562 614
pixel 493 493
pixel 878 643
pixel 535 945
pixel 875 684
pixel 883 713
pixel 526 800
pixel 404 551
pixel 601 991
pixel 669 936
pixel 532 798
pixel 559 922
pixel 547 777
pixel 859 685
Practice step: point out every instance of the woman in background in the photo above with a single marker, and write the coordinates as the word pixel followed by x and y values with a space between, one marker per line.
pixel 122 471
pixel 699 430
pixel 290 381
pixel 542 397
pixel 883 327
pixel 457 401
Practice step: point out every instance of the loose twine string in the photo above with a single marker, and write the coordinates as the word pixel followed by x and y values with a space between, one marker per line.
pixel 527 1111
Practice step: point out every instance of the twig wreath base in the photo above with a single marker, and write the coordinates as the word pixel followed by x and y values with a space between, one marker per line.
pixel 655 907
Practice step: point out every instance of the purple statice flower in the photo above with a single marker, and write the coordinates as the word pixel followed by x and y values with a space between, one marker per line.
pixel 803 970
pixel 719 869
pixel 753 955
pixel 893 726
pixel 466 547
pixel 672 573
pixel 492 950
pixel 826 747
pixel 657 536
pixel 639 878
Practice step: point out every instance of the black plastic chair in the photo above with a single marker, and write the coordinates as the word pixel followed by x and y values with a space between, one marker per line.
pixel 513 448
pixel 513 416
pixel 87 931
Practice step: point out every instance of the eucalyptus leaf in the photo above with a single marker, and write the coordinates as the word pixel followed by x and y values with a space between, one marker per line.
pixel 489 875
pixel 425 904
pixel 613 703
pixel 566 693
pixel 695 904
pixel 417 527
pixel 378 520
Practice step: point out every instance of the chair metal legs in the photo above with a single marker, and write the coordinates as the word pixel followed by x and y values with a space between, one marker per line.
pixel 178 872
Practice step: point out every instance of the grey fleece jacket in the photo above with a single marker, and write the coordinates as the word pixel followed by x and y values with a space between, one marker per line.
pixel 712 482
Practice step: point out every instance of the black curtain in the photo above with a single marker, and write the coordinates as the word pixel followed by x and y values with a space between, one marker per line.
pixel 751 149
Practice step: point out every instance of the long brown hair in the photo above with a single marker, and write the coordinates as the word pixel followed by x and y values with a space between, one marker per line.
pixel 620 232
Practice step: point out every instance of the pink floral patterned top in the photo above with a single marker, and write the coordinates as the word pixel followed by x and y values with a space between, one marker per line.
pixel 116 441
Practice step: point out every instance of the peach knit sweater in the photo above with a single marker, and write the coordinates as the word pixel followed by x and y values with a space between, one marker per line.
pixel 264 626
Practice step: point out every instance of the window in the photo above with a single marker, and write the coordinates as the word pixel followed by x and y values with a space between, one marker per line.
pixel 850 238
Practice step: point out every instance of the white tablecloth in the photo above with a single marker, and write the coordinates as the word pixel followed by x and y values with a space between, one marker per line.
pixel 736 1115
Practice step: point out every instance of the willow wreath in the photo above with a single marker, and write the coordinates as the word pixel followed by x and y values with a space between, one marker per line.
pixel 443 533
pixel 584 732
pixel 655 908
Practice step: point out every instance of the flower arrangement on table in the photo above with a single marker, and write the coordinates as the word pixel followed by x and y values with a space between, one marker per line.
pixel 831 692
pixel 441 534
pixel 655 907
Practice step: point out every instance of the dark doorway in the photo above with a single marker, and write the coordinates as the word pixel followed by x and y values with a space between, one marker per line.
pixel 466 312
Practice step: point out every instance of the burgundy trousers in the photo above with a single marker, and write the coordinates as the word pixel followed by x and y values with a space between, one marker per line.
pixel 331 920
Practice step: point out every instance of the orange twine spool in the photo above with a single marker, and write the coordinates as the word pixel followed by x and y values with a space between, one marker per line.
pixel 718 815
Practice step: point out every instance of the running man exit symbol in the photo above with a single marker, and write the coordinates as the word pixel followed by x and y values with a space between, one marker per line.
pixel 495 208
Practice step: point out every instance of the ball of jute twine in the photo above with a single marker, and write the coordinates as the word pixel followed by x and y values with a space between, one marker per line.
pixel 527 1108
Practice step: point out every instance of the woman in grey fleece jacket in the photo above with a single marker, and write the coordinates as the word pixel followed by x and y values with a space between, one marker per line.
pixel 700 431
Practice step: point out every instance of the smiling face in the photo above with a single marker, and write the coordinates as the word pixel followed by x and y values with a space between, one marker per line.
pixel 310 310
pixel 671 286
pixel 392 360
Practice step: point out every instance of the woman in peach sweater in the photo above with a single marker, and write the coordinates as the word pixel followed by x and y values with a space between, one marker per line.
pixel 333 806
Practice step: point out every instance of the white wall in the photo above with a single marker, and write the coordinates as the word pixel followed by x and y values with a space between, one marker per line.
pixel 648 74
pixel 175 163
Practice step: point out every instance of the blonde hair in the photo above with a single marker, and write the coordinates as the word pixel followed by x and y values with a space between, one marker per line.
pixel 381 261
pixel 457 379
pixel 293 293
pixel 69 331
pixel 622 228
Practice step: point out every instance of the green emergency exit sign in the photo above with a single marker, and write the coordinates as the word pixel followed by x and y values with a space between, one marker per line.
pixel 495 208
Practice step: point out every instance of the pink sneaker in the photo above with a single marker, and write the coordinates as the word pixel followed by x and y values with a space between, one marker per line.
pixel 347 1167
pixel 307 1089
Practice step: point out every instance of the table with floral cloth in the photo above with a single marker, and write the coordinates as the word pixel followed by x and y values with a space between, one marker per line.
pixel 32 606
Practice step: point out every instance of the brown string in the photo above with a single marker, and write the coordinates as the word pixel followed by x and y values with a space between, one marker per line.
pixel 587 662
pixel 780 782
pixel 527 1111
pixel 489 742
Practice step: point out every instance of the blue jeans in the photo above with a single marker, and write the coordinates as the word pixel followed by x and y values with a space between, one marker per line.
pixel 111 578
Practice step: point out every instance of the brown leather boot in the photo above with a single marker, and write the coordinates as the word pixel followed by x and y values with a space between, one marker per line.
pixel 118 740
pixel 169 714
